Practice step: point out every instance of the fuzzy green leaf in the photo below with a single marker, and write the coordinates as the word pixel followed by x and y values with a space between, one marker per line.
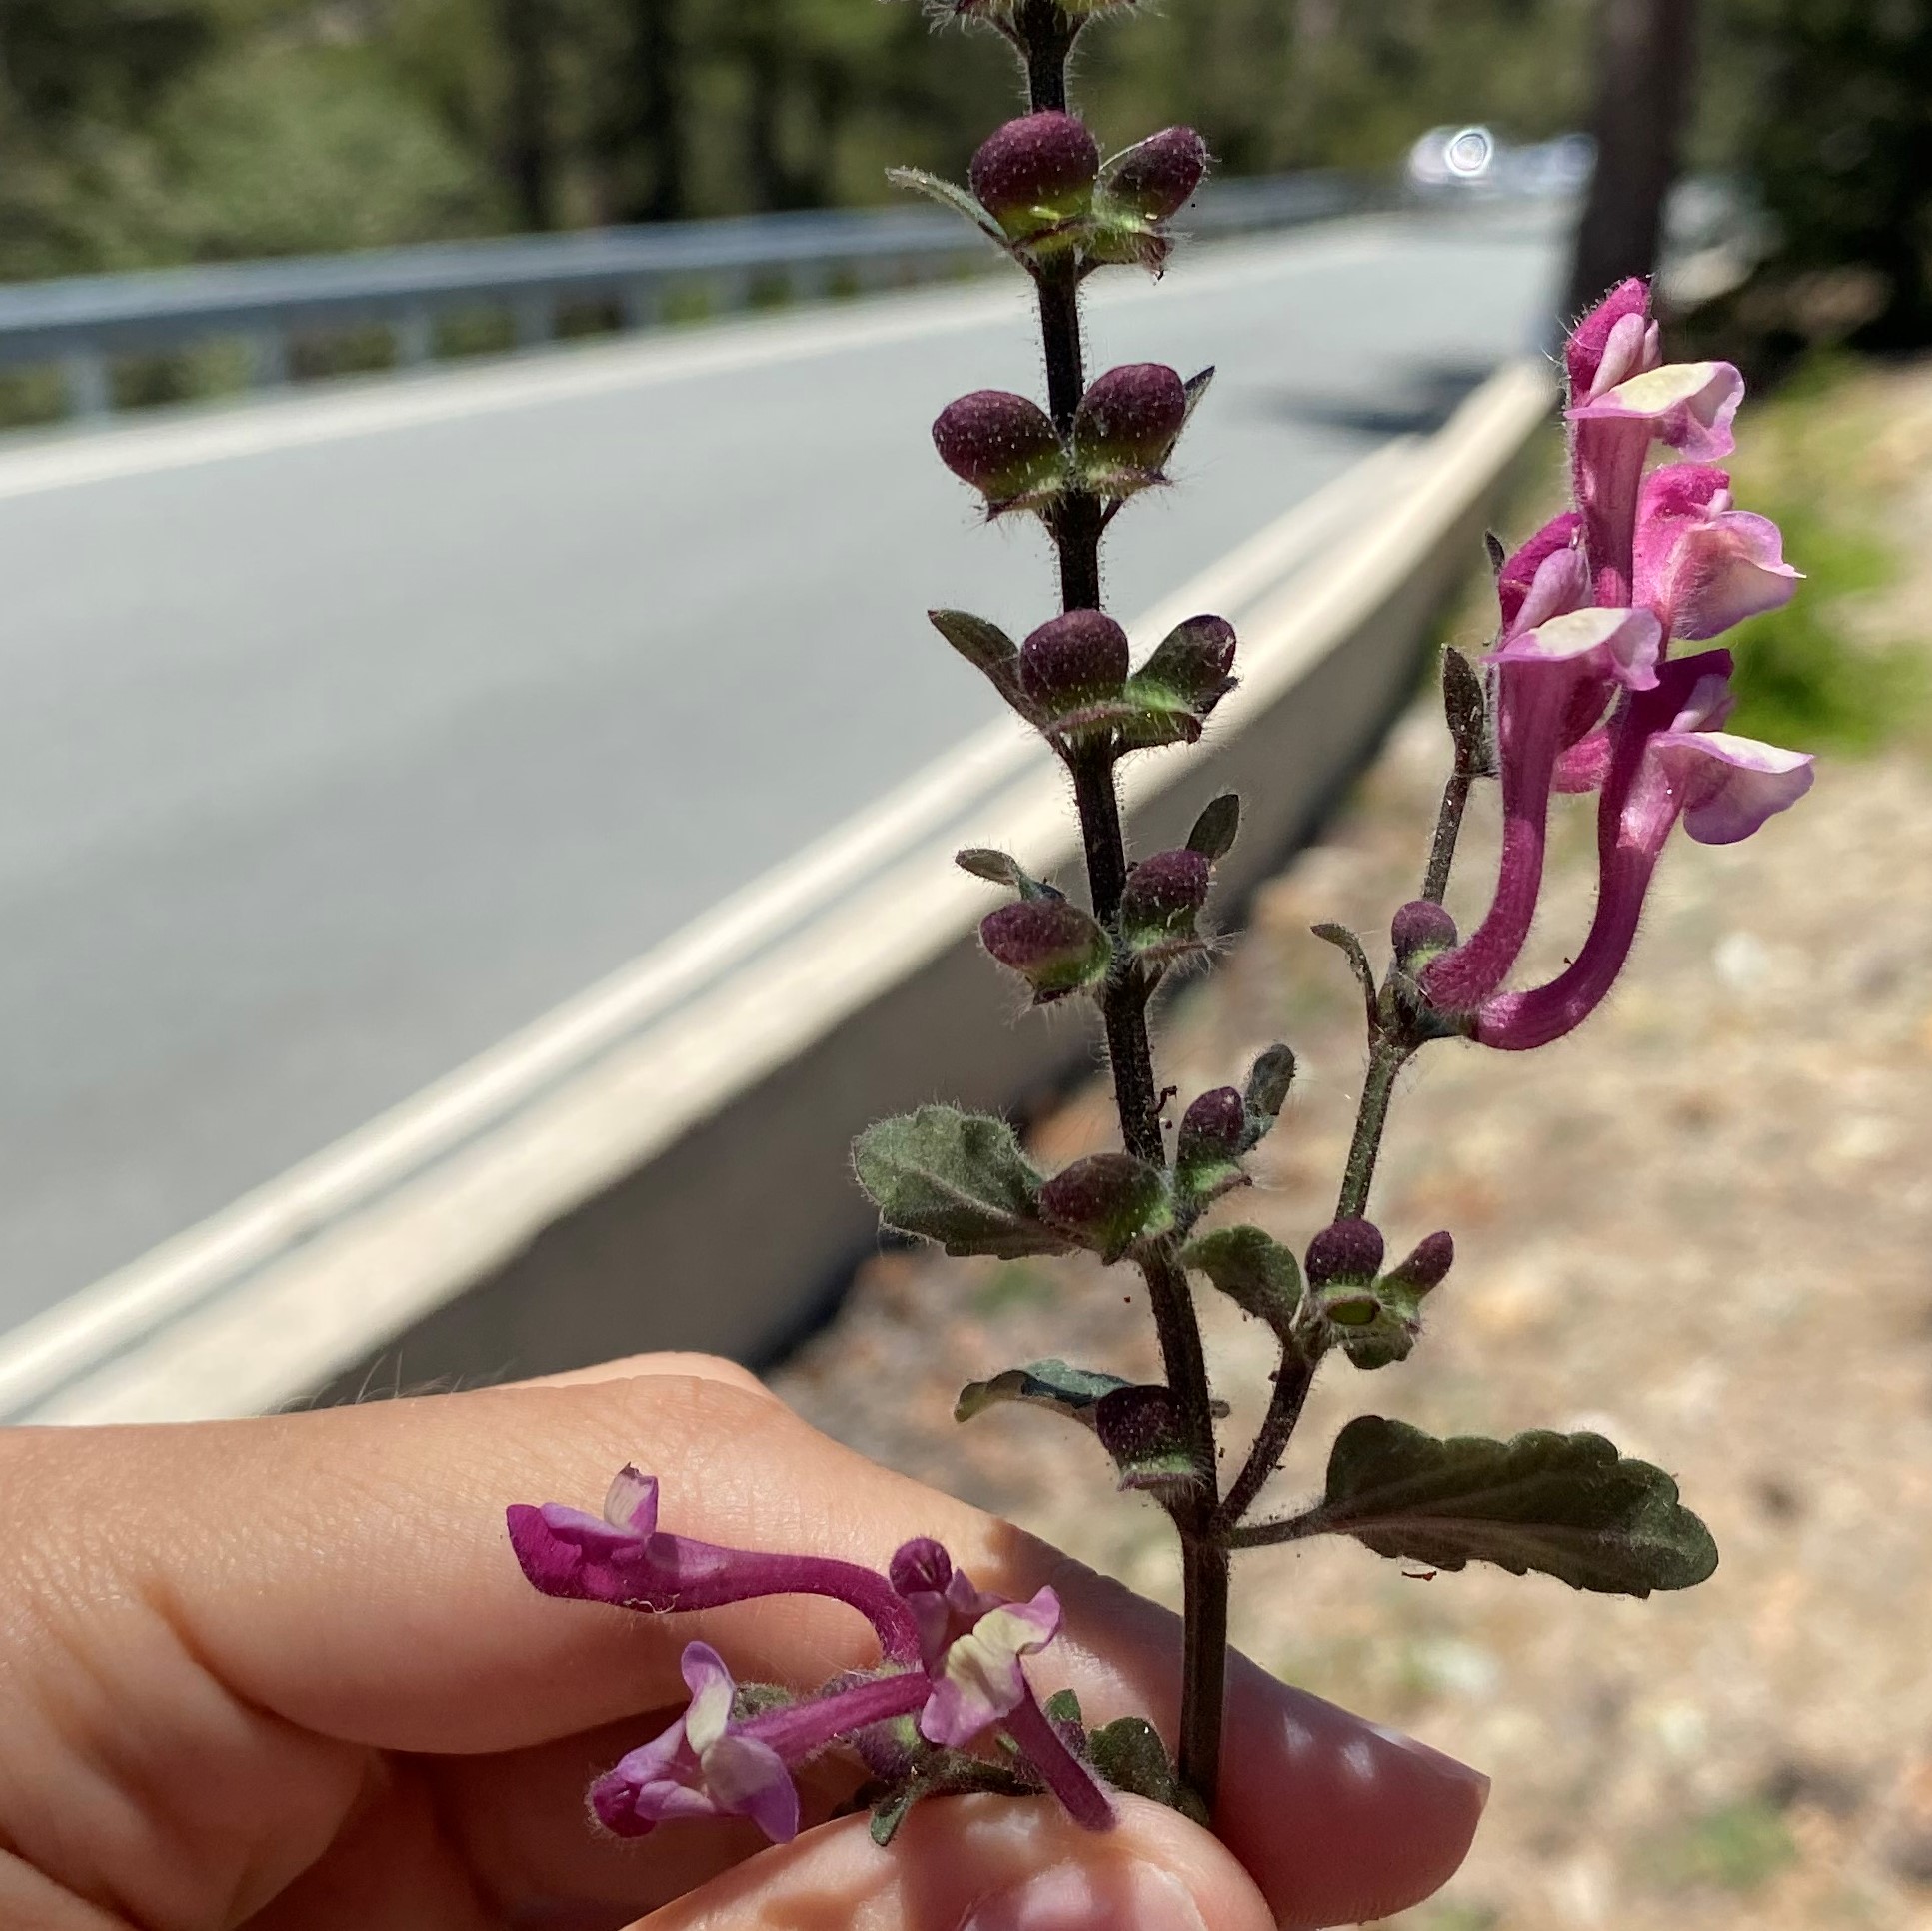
pixel 1072 1391
pixel 1001 868
pixel 1215 828
pixel 1256 1273
pixel 957 1178
pixel 1565 1505
pixel 1130 1754
pixel 948 194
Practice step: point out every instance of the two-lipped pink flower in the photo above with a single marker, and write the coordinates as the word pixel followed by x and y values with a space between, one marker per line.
pixel 1589 608
pixel 951 1658
pixel 1674 763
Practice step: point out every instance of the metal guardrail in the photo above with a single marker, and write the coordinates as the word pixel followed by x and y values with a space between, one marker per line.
pixel 81 324
pixel 557 1200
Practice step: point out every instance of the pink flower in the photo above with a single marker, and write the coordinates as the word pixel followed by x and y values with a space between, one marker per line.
pixel 953 1659
pixel 1550 676
pixel 1623 398
pixel 971 1644
pixel 711 1763
pixel 1702 564
pixel 1668 760
pixel 622 1558
pixel 1688 405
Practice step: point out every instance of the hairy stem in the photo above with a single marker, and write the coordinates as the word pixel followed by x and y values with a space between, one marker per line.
pixel 1078 524
pixel 1291 1385
pixel 1387 1057
pixel 1448 828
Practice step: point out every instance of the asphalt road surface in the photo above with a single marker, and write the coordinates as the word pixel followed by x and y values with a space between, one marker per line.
pixel 343 734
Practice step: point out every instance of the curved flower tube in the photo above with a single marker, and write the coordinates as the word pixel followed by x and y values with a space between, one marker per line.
pixel 711 1764
pixel 1669 762
pixel 622 1558
pixel 1544 672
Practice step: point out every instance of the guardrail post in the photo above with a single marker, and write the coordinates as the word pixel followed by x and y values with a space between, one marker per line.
pixel 268 358
pixel 533 316
pixel 414 335
pixel 641 302
pixel 89 381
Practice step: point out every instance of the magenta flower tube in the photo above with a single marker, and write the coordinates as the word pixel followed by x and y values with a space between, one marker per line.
pixel 1542 672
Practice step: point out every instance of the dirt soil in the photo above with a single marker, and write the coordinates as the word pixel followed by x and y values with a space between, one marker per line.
pixel 1701 1226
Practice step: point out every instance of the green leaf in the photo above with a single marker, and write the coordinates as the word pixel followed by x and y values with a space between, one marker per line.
pixel 1072 1391
pixel 1130 1754
pixel 957 1179
pixel 1063 1706
pixel 988 648
pixel 1001 868
pixel 1215 828
pixel 1256 1273
pixel 1350 948
pixel 889 1812
pixel 1565 1505
pixel 1269 1083
pixel 1197 387
pixel 948 194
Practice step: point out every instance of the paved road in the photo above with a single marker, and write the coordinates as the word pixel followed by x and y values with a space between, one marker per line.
pixel 342 736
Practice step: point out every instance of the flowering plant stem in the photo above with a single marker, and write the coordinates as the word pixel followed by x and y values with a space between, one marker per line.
pixel 1077 524
pixel 1579 697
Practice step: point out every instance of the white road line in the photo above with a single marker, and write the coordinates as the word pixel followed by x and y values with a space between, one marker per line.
pixel 91 1324
pixel 259 428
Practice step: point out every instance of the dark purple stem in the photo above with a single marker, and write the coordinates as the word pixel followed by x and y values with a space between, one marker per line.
pixel 1078 523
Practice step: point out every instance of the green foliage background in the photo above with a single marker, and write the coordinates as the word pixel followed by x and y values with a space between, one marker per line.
pixel 137 132
pixel 150 131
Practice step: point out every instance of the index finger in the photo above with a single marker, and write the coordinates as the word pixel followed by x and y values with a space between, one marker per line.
pixel 349 1570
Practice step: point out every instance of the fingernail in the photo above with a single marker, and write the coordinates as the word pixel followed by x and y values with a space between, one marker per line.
pixel 1076 1897
pixel 1450 1769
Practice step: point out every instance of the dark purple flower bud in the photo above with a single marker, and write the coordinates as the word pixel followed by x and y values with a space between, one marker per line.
pixel 1036 173
pixel 1163 896
pixel 1427 1267
pixel 1127 426
pixel 1420 931
pixel 1052 943
pixel 1348 1253
pixel 1212 1128
pixel 1003 445
pixel 1157 177
pixel 1144 1430
pixel 921 1567
pixel 1076 659
pixel 1108 1202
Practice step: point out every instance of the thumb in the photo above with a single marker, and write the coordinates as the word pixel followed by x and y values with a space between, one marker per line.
pixel 986 1864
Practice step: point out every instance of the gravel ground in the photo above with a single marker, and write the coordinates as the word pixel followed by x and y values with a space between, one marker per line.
pixel 1700 1226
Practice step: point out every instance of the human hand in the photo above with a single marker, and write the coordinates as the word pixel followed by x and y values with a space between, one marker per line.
pixel 285 1674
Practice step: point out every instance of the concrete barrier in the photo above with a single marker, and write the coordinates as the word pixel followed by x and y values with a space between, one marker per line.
pixel 663 1161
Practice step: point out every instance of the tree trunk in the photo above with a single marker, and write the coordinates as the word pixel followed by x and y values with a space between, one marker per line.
pixel 1645 52
pixel 662 83
pixel 530 141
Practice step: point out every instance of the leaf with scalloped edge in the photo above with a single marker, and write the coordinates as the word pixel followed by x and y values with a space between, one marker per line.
pixel 957 1179
pixel 1569 1506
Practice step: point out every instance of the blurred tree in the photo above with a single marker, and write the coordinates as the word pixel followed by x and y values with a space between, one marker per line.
pixel 1645 51
pixel 1837 133
pixel 530 122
